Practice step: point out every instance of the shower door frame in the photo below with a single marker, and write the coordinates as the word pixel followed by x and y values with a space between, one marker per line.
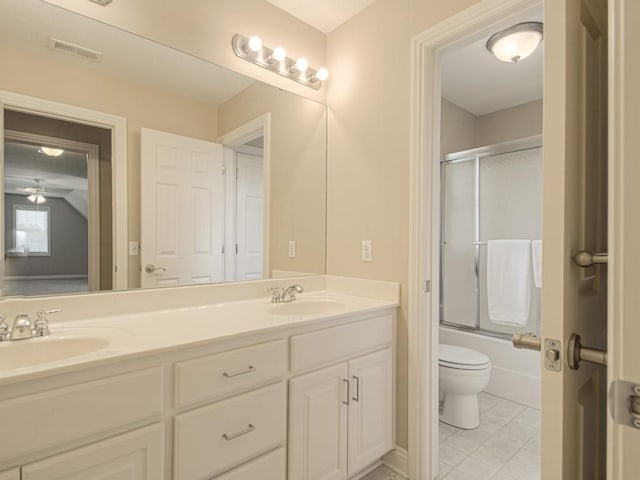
pixel 475 155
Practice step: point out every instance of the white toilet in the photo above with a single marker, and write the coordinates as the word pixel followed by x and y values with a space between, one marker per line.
pixel 463 374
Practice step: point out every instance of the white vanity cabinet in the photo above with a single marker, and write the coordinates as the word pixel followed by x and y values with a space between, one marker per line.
pixel 13 474
pixel 341 416
pixel 135 455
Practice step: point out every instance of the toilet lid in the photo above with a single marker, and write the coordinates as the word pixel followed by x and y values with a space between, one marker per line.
pixel 462 358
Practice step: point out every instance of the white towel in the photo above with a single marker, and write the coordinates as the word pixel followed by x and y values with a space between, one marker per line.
pixel 509 281
pixel 536 256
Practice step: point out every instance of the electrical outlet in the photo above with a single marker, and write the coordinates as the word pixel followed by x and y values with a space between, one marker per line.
pixel 292 249
pixel 367 251
pixel 134 249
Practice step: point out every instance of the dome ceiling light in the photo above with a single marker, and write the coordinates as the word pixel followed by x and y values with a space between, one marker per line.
pixel 516 42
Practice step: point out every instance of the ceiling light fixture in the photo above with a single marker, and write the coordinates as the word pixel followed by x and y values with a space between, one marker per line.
pixel 252 50
pixel 516 42
pixel 36 198
pixel 51 152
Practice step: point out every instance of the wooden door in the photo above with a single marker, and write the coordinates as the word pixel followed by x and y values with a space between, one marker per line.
pixel 370 409
pixel 574 218
pixel 623 452
pixel 249 216
pixel 182 210
pixel 318 425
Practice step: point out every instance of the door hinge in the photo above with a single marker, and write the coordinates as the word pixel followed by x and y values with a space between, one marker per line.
pixel 427 286
pixel 236 248
pixel 223 169
pixel 624 403
pixel 222 249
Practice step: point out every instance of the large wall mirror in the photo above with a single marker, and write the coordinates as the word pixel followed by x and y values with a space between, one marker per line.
pixel 226 176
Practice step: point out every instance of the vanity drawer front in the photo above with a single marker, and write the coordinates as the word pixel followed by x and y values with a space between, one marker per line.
pixel 319 348
pixel 224 374
pixel 43 420
pixel 271 466
pixel 215 438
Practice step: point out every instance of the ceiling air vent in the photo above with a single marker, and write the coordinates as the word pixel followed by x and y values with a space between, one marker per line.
pixel 75 50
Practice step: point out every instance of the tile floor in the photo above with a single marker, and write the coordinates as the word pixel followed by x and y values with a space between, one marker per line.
pixel 506 446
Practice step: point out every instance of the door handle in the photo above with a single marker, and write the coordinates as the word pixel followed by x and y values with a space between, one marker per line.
pixel 344 380
pixel 576 354
pixel 152 268
pixel 585 259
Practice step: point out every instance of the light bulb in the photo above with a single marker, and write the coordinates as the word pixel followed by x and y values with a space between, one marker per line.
pixel 51 152
pixel 255 44
pixel 302 64
pixel 279 54
pixel 322 74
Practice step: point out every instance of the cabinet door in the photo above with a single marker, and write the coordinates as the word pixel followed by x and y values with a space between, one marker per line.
pixel 318 425
pixel 370 409
pixel 10 474
pixel 138 455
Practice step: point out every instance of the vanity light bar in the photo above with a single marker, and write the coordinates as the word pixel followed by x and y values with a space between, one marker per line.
pixel 252 50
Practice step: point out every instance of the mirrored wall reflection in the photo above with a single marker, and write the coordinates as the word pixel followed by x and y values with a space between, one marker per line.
pixel 57 180
pixel 157 88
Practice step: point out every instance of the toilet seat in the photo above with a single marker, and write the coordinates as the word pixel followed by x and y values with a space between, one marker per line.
pixel 461 358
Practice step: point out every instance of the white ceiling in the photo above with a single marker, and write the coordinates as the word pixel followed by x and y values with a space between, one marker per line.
pixel 476 81
pixel 324 15
pixel 23 164
pixel 28 24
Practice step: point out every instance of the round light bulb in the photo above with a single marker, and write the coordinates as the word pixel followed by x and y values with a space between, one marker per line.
pixel 255 44
pixel 322 74
pixel 302 64
pixel 279 54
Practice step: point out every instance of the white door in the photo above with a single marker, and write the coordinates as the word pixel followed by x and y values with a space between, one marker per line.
pixel 574 219
pixel 182 210
pixel 249 216
pixel 137 455
pixel 623 452
pixel 370 409
pixel 318 425
pixel 10 474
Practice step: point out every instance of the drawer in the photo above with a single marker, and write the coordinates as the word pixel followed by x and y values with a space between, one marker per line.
pixel 319 348
pixel 216 438
pixel 138 454
pixel 228 373
pixel 271 466
pixel 55 417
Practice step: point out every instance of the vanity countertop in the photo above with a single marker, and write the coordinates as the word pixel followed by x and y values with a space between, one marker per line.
pixel 156 331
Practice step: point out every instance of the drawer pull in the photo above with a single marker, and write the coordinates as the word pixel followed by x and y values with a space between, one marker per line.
pixel 346 402
pixel 357 397
pixel 249 429
pixel 249 369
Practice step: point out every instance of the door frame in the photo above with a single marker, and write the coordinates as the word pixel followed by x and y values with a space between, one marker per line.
pixel 119 193
pixel 424 221
pixel 232 141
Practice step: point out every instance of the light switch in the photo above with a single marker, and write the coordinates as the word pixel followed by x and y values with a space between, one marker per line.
pixel 292 249
pixel 134 248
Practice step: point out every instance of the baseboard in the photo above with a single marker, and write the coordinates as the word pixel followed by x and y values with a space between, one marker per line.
pixel 398 461
pixel 515 386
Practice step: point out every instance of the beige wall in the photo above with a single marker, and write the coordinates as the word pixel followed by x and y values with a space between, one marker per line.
pixel 510 124
pixel 298 171
pixel 205 28
pixel 461 130
pixel 457 128
pixel 36 75
pixel 368 170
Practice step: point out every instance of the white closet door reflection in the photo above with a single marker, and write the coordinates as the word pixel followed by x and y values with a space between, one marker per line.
pixel 458 299
pixel 510 208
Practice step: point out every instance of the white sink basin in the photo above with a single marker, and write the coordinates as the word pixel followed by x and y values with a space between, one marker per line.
pixel 307 307
pixel 25 353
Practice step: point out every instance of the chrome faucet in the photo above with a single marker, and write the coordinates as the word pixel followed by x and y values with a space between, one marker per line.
pixel 23 328
pixel 285 295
